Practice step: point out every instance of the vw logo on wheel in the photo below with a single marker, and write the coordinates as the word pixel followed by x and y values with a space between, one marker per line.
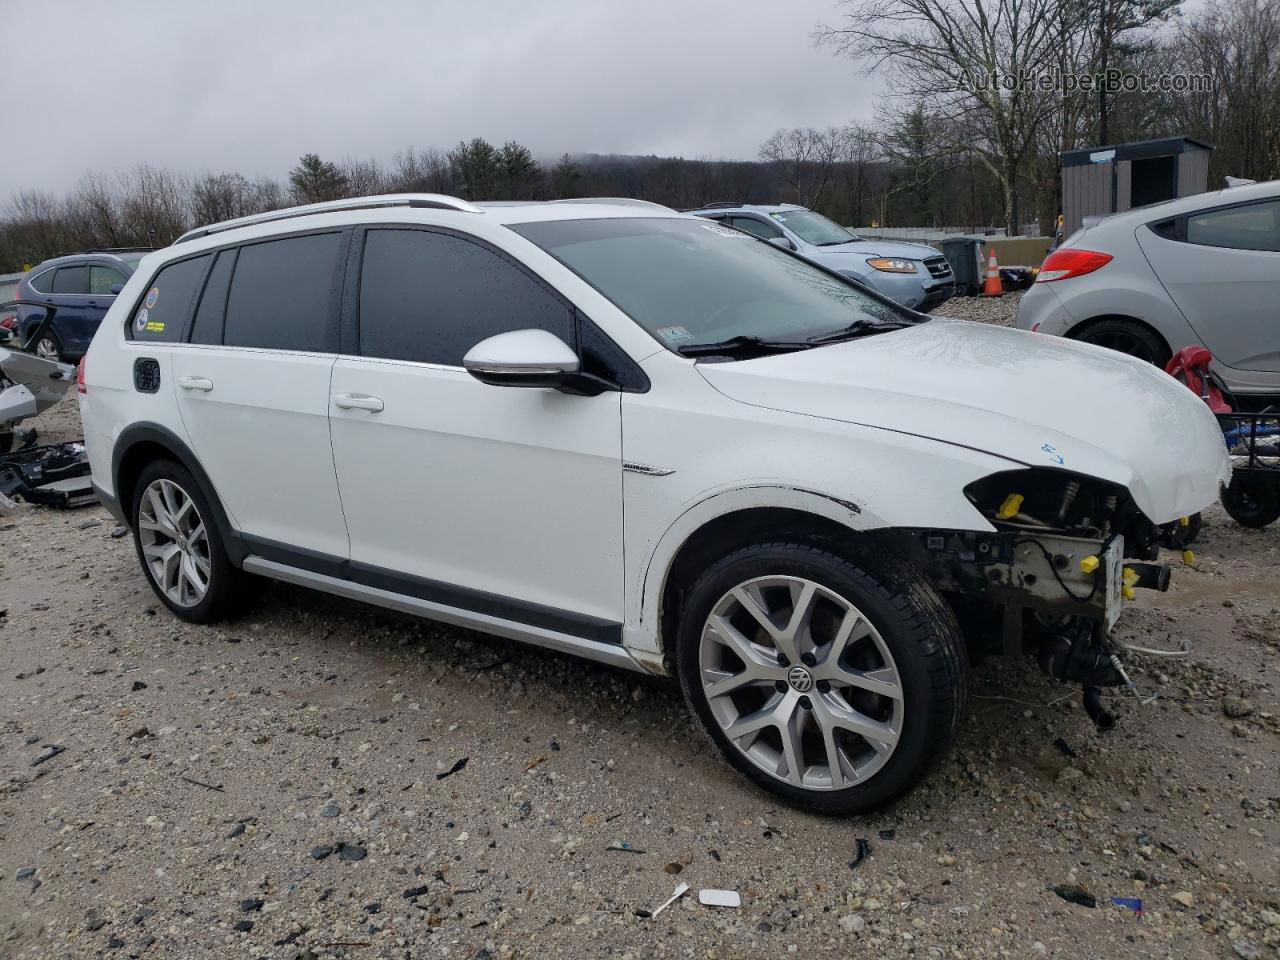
pixel 800 679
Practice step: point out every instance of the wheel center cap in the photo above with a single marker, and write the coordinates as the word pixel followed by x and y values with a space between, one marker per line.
pixel 801 680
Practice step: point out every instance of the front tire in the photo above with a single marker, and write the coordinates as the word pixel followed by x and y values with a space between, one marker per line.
pixel 48 347
pixel 835 685
pixel 180 546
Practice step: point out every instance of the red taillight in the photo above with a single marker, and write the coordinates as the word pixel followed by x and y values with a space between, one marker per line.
pixel 80 387
pixel 9 323
pixel 1062 264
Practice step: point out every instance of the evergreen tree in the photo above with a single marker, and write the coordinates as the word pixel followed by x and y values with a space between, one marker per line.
pixel 475 169
pixel 519 172
pixel 314 180
pixel 564 178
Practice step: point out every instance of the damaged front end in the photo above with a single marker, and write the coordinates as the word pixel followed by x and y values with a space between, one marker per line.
pixel 1051 579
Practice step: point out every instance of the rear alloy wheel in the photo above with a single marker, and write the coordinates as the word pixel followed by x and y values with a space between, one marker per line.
pixel 1252 501
pixel 47 348
pixel 829 685
pixel 1124 336
pixel 179 545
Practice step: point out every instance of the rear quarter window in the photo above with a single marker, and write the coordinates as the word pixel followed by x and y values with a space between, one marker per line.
pixel 162 313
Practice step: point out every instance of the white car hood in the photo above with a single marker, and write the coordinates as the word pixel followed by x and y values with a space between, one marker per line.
pixel 1040 401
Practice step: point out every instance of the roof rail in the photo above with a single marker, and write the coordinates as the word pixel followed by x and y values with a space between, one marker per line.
pixel 614 202
pixel 437 201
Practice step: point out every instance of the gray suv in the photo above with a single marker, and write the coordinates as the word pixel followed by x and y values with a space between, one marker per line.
pixel 914 275
pixel 1197 271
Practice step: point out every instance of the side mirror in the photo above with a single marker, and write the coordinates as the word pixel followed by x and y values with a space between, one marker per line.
pixel 116 288
pixel 782 242
pixel 522 358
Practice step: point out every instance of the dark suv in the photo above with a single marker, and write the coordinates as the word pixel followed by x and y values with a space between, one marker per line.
pixel 82 286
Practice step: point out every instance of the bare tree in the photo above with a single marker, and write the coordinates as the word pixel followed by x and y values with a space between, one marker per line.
pixel 93 213
pixel 966 60
pixel 803 157
pixel 419 171
pixel 365 178
pixel 153 205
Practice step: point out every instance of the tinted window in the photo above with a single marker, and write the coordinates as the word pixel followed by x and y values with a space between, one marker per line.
pixel 283 295
pixel 162 315
pixel 102 279
pixel 1255 227
pixel 43 283
pixel 207 325
pixel 757 228
pixel 431 297
pixel 71 280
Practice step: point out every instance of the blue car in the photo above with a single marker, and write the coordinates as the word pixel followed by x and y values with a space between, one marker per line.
pixel 82 287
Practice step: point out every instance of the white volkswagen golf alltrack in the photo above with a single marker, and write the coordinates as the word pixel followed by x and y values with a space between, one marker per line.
pixel 649 440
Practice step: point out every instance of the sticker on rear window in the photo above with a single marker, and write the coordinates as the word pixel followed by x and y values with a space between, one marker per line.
pixel 140 321
pixel 674 335
pixel 152 296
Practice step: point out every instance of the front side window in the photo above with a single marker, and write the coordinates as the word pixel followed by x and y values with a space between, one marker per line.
pixel 813 227
pixel 757 228
pixel 102 279
pixel 690 282
pixel 71 280
pixel 161 315
pixel 284 295
pixel 430 297
pixel 1252 227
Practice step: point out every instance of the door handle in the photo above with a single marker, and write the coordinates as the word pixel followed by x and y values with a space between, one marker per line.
pixel 195 383
pixel 357 401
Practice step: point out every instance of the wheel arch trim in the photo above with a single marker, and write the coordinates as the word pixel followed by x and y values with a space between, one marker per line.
pixel 146 433
pixel 643 632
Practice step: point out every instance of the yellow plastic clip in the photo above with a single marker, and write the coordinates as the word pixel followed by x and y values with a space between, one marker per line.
pixel 1130 577
pixel 1188 557
pixel 1090 564
pixel 1128 592
pixel 1012 504
pixel 1185 521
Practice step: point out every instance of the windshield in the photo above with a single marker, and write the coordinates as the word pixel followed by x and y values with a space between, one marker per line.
pixel 814 227
pixel 690 282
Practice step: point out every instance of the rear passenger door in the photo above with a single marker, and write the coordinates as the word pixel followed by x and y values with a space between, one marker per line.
pixel 499 500
pixel 253 391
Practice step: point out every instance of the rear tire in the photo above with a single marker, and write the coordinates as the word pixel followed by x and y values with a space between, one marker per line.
pixel 1252 501
pixel 180 547
pixel 850 686
pixel 48 347
pixel 1125 336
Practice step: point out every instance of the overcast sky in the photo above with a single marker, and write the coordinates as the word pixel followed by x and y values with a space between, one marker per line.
pixel 249 85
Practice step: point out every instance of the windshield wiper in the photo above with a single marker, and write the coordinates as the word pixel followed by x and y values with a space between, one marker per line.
pixel 833 243
pixel 859 328
pixel 742 344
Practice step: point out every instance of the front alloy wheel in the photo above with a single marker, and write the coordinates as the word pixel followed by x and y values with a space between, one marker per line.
pixel 46 348
pixel 832 682
pixel 801 683
pixel 174 543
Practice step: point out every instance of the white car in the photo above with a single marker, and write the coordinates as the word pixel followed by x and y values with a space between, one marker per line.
pixel 649 440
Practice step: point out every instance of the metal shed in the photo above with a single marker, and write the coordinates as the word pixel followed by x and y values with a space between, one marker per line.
pixel 1101 180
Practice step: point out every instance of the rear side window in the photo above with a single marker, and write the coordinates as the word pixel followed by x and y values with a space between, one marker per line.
pixel 161 315
pixel 1252 227
pixel 430 297
pixel 71 280
pixel 102 279
pixel 757 228
pixel 44 282
pixel 207 325
pixel 284 295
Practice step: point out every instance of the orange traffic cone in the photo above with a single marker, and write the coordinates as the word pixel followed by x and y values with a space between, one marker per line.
pixel 993 287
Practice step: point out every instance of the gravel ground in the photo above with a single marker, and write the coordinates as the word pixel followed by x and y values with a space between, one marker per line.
pixel 323 779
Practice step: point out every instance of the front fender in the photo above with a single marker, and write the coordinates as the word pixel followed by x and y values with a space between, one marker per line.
pixel 642 633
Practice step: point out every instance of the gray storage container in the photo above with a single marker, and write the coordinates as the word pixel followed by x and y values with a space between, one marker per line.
pixel 964 254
